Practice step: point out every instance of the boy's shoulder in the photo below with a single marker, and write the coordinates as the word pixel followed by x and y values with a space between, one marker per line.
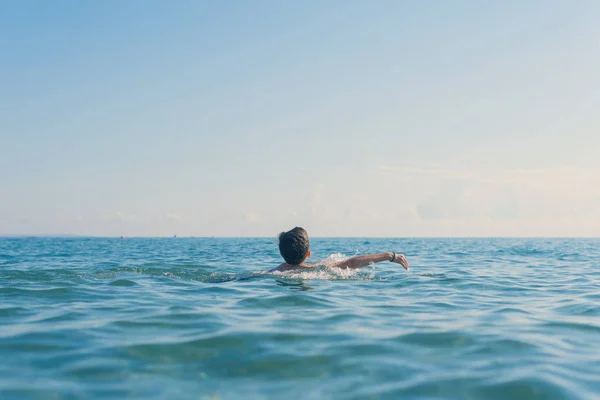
pixel 287 267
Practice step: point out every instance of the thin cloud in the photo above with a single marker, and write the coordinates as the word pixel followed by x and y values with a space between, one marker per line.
pixel 173 217
pixel 118 216
pixel 253 217
pixel 433 171
pixel 317 200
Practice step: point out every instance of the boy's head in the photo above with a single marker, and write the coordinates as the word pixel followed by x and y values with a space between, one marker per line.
pixel 293 246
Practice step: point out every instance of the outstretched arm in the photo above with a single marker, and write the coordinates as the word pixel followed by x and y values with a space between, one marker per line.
pixel 363 261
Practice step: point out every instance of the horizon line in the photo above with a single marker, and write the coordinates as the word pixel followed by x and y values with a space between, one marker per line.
pixel 58 236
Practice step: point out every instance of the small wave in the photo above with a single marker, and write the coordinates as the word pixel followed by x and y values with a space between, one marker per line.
pixel 581 326
pixel 123 282
pixel 37 292
pixel 437 339
pixel 287 301
pixel 525 387
pixel 13 312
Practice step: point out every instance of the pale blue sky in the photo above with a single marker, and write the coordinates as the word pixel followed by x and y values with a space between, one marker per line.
pixel 350 118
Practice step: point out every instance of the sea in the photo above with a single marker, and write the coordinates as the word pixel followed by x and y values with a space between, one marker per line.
pixel 202 318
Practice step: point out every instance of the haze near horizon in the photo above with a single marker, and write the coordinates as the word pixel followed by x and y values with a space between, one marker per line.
pixel 349 118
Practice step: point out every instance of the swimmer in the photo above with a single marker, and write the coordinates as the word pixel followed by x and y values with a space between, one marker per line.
pixel 294 248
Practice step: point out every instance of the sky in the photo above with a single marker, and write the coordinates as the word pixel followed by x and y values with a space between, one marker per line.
pixel 349 118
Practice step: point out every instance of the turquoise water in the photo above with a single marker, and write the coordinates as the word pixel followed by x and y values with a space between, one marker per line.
pixel 199 318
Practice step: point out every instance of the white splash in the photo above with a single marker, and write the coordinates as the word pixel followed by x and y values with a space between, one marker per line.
pixel 324 270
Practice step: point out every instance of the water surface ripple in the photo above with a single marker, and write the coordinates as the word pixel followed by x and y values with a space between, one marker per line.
pixel 200 318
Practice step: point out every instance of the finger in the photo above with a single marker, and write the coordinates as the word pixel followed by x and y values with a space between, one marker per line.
pixel 404 262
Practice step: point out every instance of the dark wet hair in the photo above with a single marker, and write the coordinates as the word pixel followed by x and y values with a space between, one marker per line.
pixel 293 245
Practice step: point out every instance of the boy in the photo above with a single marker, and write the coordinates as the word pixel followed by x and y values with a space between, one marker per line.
pixel 294 248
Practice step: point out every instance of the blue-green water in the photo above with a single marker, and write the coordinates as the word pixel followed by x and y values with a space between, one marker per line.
pixel 199 318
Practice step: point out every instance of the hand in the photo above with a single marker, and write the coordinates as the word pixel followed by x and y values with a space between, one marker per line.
pixel 400 259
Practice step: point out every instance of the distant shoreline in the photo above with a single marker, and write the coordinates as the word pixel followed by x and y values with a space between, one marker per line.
pixel 75 236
